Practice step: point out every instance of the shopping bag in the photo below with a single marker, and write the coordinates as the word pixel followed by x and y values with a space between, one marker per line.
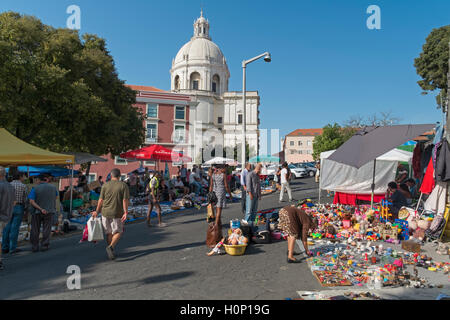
pixel 214 234
pixel 95 229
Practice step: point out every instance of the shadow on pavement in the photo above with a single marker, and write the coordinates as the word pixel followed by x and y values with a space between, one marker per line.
pixel 129 256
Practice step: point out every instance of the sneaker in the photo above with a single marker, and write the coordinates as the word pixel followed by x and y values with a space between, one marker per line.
pixel 244 222
pixel 162 225
pixel 110 253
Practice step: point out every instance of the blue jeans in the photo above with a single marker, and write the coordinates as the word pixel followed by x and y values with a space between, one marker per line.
pixel 11 231
pixel 251 208
pixel 197 187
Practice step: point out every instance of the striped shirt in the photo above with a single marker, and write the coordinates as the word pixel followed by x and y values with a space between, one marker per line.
pixel 21 192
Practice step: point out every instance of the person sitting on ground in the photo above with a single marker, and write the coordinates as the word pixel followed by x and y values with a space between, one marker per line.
pixel 412 187
pixel 296 223
pixel 397 199
pixel 405 190
pixel 180 187
pixel 195 183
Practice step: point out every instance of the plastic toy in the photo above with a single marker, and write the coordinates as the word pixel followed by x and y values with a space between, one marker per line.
pixel 317 236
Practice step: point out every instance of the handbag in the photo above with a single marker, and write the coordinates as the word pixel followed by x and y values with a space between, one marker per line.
pixel 95 229
pixel 212 197
pixel 214 234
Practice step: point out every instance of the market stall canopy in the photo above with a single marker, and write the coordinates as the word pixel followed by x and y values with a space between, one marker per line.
pixel 56 172
pixel 265 158
pixel 221 160
pixel 81 157
pixel 15 152
pixel 344 178
pixel 370 142
pixel 155 152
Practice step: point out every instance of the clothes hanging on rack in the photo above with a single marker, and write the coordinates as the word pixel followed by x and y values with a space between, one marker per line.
pixel 425 157
pixel 416 160
pixel 443 162
pixel 436 200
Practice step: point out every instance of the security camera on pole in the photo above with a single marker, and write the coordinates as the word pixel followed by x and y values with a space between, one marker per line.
pixel 267 58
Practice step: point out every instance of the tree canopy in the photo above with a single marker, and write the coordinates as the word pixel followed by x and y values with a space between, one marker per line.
pixel 432 63
pixel 63 93
pixel 333 137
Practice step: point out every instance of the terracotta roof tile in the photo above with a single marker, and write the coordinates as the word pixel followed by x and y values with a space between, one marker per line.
pixel 305 132
pixel 144 88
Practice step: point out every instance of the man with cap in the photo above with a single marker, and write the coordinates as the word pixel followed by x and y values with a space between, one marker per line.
pixel 43 199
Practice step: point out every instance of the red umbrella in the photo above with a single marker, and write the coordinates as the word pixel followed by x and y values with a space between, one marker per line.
pixel 155 152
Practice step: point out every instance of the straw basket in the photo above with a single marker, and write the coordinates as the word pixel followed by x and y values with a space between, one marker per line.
pixel 236 250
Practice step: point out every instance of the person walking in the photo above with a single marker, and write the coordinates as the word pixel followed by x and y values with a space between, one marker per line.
pixel 253 185
pixel 285 176
pixel 219 186
pixel 133 184
pixel 154 197
pixel 296 223
pixel 11 231
pixel 7 201
pixel 113 205
pixel 244 173
pixel 43 199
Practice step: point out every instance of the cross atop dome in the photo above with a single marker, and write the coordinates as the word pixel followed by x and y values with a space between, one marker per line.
pixel 201 27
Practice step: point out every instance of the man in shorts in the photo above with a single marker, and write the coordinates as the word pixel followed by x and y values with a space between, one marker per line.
pixel 113 205
pixel 154 197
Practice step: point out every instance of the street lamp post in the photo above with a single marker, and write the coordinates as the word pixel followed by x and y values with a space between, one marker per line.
pixel 267 58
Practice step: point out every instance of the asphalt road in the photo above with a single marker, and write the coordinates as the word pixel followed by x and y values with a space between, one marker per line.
pixel 168 263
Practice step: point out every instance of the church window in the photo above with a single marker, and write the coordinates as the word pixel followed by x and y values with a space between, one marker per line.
pixel 215 83
pixel 177 83
pixel 219 120
pixel 195 81
pixel 239 118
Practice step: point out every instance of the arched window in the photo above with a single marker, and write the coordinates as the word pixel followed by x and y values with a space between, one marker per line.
pixel 177 83
pixel 216 84
pixel 195 81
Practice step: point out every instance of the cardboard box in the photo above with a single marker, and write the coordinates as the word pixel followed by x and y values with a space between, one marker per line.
pixel 411 246
pixel 94 185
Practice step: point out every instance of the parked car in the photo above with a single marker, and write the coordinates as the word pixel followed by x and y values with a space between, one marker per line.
pixel 298 172
pixel 310 170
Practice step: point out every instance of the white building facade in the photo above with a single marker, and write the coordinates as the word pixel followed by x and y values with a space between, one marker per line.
pixel 200 70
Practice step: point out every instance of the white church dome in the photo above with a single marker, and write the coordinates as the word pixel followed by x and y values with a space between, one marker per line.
pixel 200 64
pixel 198 50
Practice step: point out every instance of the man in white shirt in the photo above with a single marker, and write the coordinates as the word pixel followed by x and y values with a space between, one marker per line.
pixel 285 177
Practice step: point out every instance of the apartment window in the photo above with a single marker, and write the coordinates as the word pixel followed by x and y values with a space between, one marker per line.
pixel 179 134
pixel 309 152
pixel 152 110
pixel 300 143
pixel 120 161
pixel 92 177
pixel 152 132
pixel 292 143
pixel 149 163
pixel 219 120
pixel 179 113
pixel 300 151
pixel 239 118
pixel 309 143
pixel 292 151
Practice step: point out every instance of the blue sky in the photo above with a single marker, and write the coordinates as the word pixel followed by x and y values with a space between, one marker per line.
pixel 326 64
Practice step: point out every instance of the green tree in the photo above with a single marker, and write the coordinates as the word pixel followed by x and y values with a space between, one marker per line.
pixel 432 63
pixel 63 93
pixel 333 137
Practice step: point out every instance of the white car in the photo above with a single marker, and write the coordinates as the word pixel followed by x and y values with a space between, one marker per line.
pixel 298 172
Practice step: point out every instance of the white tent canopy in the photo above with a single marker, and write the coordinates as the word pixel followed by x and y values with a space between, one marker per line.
pixel 343 178
pixel 221 160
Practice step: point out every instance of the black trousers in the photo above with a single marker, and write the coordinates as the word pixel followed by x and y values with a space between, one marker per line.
pixel 36 221
pixel 243 200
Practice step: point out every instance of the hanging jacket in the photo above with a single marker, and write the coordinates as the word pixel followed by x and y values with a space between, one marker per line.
pixel 416 161
pixel 443 162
